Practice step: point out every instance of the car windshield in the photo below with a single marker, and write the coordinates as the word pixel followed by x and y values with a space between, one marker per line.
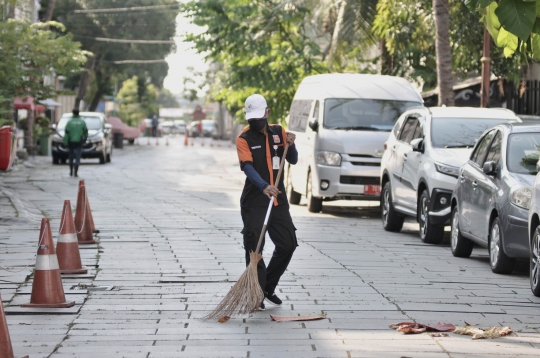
pixel 92 123
pixel 363 114
pixel 460 132
pixel 523 153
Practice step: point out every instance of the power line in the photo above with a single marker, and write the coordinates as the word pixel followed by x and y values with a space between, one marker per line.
pixel 124 9
pixel 137 61
pixel 125 41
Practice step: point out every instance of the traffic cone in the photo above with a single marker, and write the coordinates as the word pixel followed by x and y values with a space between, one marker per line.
pixel 157 141
pixel 202 141
pixel 167 140
pixel 83 223
pixel 67 248
pixel 219 142
pixel 212 142
pixel 148 143
pixel 186 139
pixel 89 209
pixel 47 289
pixel 6 349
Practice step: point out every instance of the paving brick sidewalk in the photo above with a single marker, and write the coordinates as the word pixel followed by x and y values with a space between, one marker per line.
pixel 170 247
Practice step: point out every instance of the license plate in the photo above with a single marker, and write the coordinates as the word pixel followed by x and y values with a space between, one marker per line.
pixel 372 189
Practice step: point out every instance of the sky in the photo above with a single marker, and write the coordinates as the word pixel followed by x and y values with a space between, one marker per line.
pixel 183 58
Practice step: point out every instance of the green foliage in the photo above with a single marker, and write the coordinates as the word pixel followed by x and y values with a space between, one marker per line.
pixel 29 52
pixel 513 24
pixel 261 46
pixel 408 31
pixel 152 24
pixel 138 101
pixel 166 99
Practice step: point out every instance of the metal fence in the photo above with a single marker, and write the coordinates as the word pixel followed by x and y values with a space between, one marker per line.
pixel 525 100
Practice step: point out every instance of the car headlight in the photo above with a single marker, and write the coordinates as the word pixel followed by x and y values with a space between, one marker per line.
pixel 447 169
pixel 329 158
pixel 521 196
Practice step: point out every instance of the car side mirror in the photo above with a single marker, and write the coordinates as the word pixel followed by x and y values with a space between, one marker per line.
pixel 489 168
pixel 538 166
pixel 418 145
pixel 313 124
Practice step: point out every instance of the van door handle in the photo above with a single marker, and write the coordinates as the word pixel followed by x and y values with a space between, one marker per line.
pixel 462 178
pixel 474 184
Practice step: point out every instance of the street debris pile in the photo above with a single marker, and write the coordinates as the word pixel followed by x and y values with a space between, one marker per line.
pixel 476 333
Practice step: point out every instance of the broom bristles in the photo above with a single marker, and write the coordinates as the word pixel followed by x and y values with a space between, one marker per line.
pixel 244 297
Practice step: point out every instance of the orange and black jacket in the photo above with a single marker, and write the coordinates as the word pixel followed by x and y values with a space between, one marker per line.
pixel 258 149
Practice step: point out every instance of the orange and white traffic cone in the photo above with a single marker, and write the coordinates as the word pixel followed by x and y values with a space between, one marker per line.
pixel 157 141
pixel 186 139
pixel 89 209
pixel 212 142
pixel 202 141
pixel 167 140
pixel 67 248
pixel 83 221
pixel 47 289
pixel 6 349
pixel 148 143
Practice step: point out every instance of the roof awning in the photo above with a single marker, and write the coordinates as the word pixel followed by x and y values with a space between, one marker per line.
pixel 28 104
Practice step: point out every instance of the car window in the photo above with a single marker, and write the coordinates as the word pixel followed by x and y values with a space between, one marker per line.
pixel 418 132
pixel 407 132
pixel 494 153
pixel 523 153
pixel 298 117
pixel 362 113
pixel 480 152
pixel 92 123
pixel 460 132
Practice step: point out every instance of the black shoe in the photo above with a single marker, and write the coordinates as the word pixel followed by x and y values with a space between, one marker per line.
pixel 71 171
pixel 261 307
pixel 273 299
pixel 76 170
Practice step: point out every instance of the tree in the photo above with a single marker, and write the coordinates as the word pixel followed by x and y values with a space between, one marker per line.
pixel 261 46
pixel 513 24
pixel 30 52
pixel 90 20
pixel 138 100
pixel 166 99
pixel 444 54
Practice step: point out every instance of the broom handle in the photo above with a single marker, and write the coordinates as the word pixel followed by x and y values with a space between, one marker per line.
pixel 281 165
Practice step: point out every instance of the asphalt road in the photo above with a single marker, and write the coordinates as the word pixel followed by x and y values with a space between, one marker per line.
pixel 170 247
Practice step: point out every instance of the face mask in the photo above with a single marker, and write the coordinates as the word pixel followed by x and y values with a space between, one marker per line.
pixel 258 124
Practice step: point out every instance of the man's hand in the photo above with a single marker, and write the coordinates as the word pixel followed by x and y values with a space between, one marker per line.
pixel 290 138
pixel 271 191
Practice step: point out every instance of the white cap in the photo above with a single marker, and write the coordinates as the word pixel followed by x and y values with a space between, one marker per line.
pixel 255 107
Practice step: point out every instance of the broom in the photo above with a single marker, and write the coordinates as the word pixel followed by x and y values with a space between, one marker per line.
pixel 246 295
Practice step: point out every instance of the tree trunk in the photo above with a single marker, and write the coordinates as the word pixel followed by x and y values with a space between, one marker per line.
pixel 29 133
pixel 83 82
pixel 337 34
pixel 386 63
pixel 444 53
pixel 486 71
pixel 50 10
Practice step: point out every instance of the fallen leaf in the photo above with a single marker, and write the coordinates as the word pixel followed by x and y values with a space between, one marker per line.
pixel 479 333
pixel 224 319
pixel 412 327
pixel 297 318
pixel 439 335
pixel 471 324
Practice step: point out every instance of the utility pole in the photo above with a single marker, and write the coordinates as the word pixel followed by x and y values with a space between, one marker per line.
pixel 486 70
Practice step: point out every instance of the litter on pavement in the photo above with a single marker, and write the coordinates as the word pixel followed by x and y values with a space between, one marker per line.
pixel 415 328
pixel 478 333
pixel 297 318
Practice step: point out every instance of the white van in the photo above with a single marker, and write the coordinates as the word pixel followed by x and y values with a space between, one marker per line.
pixel 341 122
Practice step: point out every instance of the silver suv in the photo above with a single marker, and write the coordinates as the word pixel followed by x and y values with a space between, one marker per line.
pixel 420 165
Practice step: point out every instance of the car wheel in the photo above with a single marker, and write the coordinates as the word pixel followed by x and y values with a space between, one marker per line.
pixel 294 197
pixel 314 205
pixel 63 160
pixel 131 141
pixel 109 155
pixel 461 247
pixel 391 220
pixel 499 262
pixel 429 233
pixel 535 262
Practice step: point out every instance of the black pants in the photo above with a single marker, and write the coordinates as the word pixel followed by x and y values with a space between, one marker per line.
pixel 282 233
pixel 75 151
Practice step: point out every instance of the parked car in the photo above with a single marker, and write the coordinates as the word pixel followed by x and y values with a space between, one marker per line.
pixel 180 126
pixel 209 128
pixel 534 223
pixel 420 167
pixel 130 133
pixel 341 122
pixel 527 118
pixel 490 204
pixel 99 142
pixel 167 127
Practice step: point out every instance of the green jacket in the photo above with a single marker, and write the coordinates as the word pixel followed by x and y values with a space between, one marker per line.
pixel 76 131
